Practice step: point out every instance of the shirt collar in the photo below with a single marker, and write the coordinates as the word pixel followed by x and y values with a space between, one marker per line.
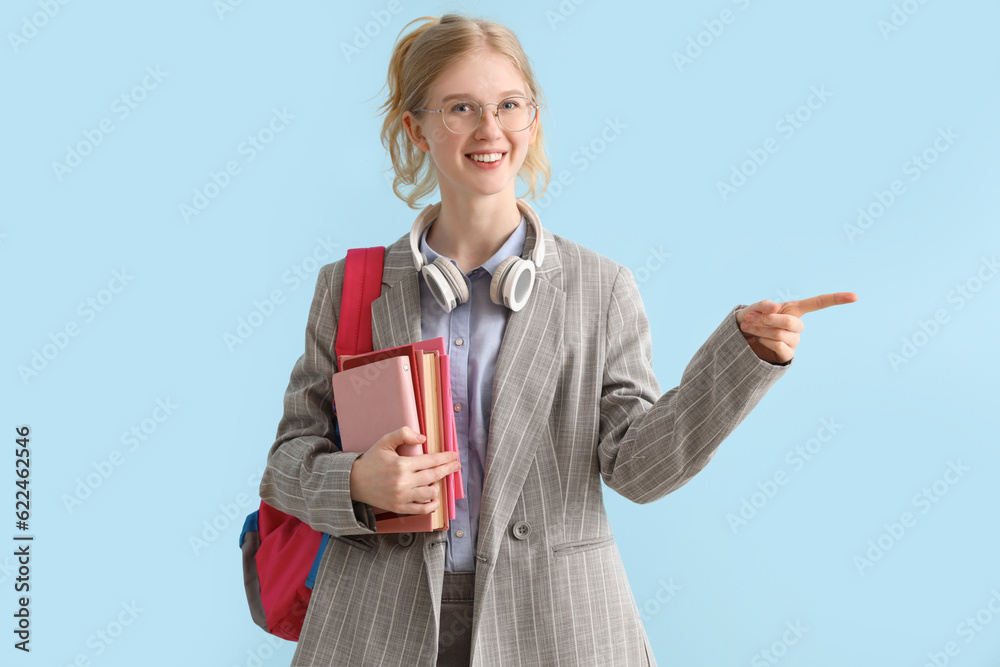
pixel 514 245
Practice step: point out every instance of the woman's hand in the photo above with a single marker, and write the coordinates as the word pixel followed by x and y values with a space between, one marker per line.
pixel 402 484
pixel 772 329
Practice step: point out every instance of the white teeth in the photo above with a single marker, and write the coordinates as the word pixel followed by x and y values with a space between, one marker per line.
pixel 487 157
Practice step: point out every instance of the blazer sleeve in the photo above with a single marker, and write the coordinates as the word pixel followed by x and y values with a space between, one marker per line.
pixel 306 475
pixel 650 445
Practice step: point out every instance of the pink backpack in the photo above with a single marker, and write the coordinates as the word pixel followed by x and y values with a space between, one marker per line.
pixel 281 554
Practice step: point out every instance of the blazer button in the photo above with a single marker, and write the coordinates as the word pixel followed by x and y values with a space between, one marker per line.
pixel 521 529
pixel 405 539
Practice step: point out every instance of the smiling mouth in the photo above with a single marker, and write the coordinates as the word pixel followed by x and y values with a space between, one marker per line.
pixel 486 158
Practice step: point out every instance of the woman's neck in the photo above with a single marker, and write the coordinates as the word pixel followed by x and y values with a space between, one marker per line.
pixel 470 230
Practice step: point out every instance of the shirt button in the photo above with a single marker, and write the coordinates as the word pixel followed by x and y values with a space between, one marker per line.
pixel 458 407
pixel 459 341
pixel 459 533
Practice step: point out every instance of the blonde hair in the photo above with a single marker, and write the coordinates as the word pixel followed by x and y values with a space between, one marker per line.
pixel 418 58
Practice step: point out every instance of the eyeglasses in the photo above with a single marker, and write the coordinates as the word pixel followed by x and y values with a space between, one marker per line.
pixel 464 116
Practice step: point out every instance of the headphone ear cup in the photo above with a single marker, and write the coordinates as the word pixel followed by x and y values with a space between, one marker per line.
pixel 512 283
pixel 446 283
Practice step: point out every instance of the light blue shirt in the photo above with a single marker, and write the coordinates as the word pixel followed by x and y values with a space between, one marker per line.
pixel 472 332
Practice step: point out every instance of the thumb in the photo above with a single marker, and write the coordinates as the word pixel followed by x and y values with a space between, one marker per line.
pixel 765 307
pixel 768 307
pixel 401 436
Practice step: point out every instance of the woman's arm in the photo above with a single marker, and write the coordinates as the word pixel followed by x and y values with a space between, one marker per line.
pixel 651 445
pixel 306 475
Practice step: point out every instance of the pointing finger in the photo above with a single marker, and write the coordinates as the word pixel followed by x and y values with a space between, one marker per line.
pixel 820 302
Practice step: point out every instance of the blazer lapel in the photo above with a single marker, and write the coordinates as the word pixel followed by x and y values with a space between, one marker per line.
pixel 523 391
pixel 396 313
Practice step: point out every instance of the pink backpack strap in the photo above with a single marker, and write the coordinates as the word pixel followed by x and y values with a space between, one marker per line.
pixel 362 285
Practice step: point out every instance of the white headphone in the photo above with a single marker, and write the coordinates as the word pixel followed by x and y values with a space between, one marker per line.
pixel 512 280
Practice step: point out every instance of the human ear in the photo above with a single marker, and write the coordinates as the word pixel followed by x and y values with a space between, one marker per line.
pixel 414 131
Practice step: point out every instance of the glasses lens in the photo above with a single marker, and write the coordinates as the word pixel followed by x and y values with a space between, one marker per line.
pixel 461 116
pixel 515 114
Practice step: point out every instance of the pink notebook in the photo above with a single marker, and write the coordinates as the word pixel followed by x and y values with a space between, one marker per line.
pixel 373 400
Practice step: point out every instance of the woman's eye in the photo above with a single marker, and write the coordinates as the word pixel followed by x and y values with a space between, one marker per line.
pixel 461 107
pixel 510 104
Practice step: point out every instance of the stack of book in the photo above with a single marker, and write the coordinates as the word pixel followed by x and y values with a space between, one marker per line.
pixel 379 392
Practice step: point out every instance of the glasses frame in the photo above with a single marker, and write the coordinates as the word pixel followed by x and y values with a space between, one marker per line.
pixel 496 113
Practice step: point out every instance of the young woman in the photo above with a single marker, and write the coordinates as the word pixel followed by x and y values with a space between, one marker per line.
pixel 553 391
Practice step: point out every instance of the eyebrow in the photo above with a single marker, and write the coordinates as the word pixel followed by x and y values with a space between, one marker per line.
pixel 467 96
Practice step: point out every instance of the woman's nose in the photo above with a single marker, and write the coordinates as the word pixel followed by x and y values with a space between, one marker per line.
pixel 490 125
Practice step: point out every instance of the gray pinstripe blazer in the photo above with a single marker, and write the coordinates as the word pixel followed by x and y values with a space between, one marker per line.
pixel 574 401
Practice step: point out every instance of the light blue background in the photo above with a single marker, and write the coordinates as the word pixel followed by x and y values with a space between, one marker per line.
pixel 781 235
